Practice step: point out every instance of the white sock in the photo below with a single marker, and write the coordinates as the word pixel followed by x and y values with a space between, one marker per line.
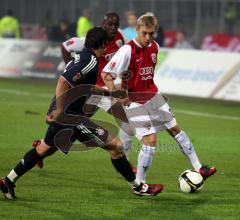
pixel 188 149
pixel 135 183
pixel 12 176
pixel 126 135
pixel 144 161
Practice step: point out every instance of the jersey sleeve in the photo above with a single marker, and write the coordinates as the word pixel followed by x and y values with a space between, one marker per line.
pixel 74 44
pixel 119 62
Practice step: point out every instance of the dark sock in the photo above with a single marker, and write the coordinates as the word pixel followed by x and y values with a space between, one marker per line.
pixel 123 166
pixel 30 159
pixel 9 182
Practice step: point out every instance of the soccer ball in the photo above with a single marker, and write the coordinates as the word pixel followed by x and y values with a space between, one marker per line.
pixel 190 181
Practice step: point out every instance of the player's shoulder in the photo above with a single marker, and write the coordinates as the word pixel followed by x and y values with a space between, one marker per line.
pixel 118 39
pixel 155 44
pixel 126 48
pixel 74 44
pixel 120 34
pixel 72 41
pixel 85 57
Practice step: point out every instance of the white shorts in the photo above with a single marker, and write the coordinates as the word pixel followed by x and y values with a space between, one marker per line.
pixel 103 102
pixel 150 117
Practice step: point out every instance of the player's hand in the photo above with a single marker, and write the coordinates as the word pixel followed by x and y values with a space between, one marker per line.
pixel 126 101
pixel 122 96
pixel 119 94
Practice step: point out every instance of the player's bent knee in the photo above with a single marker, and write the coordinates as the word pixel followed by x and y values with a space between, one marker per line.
pixel 115 148
pixel 150 140
pixel 45 150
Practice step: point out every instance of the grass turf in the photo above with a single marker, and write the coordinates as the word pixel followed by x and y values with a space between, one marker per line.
pixel 84 185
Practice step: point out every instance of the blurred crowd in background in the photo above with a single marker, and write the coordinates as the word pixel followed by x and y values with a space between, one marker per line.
pixel 167 35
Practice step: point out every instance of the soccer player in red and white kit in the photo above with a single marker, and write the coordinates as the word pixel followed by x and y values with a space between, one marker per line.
pixel 135 63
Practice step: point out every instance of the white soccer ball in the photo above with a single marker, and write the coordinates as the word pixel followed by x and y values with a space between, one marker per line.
pixel 190 181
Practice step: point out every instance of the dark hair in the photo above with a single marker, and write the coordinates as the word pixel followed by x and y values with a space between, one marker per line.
pixel 96 38
pixel 110 14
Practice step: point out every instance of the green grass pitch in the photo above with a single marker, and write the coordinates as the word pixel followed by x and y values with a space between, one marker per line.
pixel 84 185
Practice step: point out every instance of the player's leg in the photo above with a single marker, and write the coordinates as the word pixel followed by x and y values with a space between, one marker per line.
pixel 29 160
pixel 145 156
pixel 141 123
pixel 92 134
pixel 122 165
pixel 35 143
pixel 188 150
pixel 111 106
pixel 186 145
pixel 126 134
pixel 181 138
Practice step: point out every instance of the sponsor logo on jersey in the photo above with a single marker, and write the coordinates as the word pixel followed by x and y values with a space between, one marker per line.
pixel 154 57
pixel 119 43
pixel 111 65
pixel 109 56
pixel 77 77
pixel 146 77
pixel 100 131
pixel 146 71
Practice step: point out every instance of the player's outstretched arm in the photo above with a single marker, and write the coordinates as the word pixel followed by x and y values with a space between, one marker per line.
pixel 117 93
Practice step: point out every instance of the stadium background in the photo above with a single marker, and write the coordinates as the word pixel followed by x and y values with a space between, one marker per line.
pixel 197 17
pixel 83 185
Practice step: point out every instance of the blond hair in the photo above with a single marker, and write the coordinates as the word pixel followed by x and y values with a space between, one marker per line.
pixel 148 19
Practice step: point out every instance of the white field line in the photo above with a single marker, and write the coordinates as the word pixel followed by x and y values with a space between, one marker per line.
pixel 22 93
pixel 206 115
pixel 180 111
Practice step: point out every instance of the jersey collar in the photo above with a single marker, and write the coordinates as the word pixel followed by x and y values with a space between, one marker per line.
pixel 90 51
pixel 134 40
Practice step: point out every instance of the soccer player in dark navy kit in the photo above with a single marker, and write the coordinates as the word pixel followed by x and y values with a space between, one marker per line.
pixel 68 121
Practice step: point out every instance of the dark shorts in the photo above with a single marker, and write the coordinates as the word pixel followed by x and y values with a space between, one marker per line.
pixel 87 132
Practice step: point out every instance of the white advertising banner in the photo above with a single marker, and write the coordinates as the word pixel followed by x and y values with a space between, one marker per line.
pixel 30 58
pixel 199 73
pixel 180 72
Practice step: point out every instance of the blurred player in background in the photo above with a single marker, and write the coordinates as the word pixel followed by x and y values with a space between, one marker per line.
pixel 9 26
pixel 137 60
pixel 84 23
pixel 82 70
pixel 111 24
pixel 130 31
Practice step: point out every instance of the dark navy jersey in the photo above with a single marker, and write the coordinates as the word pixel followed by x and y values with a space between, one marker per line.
pixel 82 69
